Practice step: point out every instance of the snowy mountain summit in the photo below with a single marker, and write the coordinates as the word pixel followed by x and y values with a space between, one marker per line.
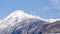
pixel 20 22
pixel 22 15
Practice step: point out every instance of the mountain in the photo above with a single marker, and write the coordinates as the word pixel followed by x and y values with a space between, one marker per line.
pixel 52 20
pixel 20 22
pixel 52 28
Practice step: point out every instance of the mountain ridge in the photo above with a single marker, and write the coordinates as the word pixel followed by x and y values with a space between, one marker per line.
pixel 21 14
pixel 20 22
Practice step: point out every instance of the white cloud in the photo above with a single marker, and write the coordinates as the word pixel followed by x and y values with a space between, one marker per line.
pixel 46 8
pixel 54 1
pixel 55 4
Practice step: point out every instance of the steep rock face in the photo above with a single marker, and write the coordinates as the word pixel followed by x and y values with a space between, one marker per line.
pixel 52 28
pixel 30 26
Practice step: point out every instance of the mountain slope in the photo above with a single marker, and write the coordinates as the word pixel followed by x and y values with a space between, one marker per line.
pixel 52 28
pixel 20 22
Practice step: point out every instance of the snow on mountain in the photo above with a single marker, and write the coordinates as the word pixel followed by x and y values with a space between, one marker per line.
pixel 52 20
pixel 21 14
pixel 20 22
pixel 18 15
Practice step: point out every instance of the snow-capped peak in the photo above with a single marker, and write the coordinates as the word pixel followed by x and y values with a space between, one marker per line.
pixel 17 13
pixel 21 14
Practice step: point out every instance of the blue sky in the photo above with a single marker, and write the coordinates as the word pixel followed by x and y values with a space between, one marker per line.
pixel 43 8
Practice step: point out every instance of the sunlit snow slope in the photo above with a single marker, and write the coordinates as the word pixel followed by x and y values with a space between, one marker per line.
pixel 20 22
